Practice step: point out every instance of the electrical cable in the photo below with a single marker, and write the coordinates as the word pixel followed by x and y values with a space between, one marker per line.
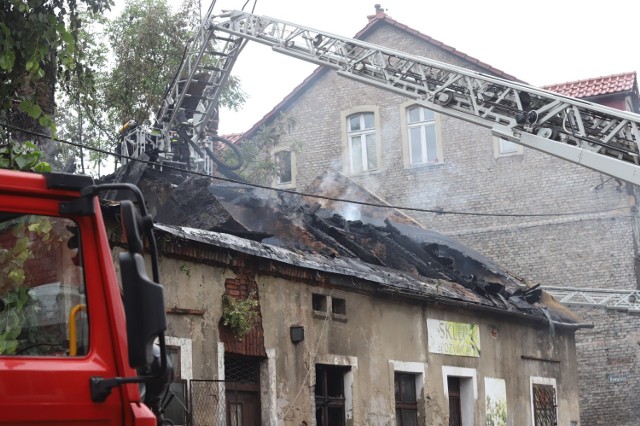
pixel 313 358
pixel 303 194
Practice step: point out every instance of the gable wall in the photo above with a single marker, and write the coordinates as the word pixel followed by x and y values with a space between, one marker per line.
pixel 590 250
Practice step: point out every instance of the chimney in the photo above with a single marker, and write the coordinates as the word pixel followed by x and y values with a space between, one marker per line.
pixel 379 9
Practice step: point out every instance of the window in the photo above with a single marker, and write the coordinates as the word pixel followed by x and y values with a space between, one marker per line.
pixel 330 395
pixel 362 147
pixel 507 147
pixel 42 292
pixel 406 399
pixel 319 302
pixel 455 405
pixel 504 148
pixel 338 306
pixel 285 167
pixel 544 405
pixel 461 387
pixel 174 409
pixel 423 144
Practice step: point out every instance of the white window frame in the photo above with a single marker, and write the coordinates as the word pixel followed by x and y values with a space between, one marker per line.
pixel 419 369
pixel 499 151
pixel 468 390
pixel 294 168
pixel 186 355
pixel 406 142
pixel 349 392
pixel 347 158
pixel 544 381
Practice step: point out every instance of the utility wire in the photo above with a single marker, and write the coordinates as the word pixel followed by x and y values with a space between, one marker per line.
pixel 303 194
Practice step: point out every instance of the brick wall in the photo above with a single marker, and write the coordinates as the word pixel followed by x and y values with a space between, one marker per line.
pixel 252 343
pixel 593 246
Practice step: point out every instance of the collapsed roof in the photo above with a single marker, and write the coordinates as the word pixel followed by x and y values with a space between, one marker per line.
pixel 380 245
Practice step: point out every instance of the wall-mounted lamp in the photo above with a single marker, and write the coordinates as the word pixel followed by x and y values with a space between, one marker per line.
pixel 297 333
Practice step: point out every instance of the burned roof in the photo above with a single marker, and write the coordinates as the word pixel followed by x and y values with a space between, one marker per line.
pixel 398 257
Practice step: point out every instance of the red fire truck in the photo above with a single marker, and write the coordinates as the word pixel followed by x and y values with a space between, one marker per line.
pixel 75 347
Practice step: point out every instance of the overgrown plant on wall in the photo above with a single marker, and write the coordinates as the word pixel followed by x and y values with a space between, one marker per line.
pixel 240 315
pixel 259 166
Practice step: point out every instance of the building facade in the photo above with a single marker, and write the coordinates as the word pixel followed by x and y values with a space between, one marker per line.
pixel 540 217
pixel 346 343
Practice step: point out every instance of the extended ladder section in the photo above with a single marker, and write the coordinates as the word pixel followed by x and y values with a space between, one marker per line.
pixel 601 138
pixel 195 92
pixel 623 300
pixel 190 106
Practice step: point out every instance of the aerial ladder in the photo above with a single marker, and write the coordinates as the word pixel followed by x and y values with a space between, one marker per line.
pixel 591 135
pixel 597 137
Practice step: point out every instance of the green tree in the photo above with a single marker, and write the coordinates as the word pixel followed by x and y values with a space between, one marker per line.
pixel 81 115
pixel 149 42
pixel 37 47
pixel 259 166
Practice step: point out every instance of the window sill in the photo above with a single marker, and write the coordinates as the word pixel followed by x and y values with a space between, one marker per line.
pixel 284 185
pixel 367 173
pixel 512 154
pixel 321 314
pixel 340 317
pixel 424 165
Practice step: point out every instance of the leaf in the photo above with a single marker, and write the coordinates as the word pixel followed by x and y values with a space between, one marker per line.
pixel 21 162
pixel 43 167
pixel 35 112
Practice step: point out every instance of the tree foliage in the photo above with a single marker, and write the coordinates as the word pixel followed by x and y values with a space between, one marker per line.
pixel 37 41
pixel 259 165
pixel 149 42
pixel 38 48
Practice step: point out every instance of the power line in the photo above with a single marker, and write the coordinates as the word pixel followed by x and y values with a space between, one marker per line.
pixel 303 194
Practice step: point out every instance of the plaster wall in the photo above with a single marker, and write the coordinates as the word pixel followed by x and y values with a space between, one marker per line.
pixel 376 335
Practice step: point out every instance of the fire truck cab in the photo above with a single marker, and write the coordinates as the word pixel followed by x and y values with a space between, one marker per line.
pixel 68 352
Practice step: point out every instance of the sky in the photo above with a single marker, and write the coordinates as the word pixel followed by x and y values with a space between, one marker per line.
pixel 540 42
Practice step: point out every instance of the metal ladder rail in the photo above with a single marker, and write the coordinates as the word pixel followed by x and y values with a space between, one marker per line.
pixel 601 138
pixel 624 300
pixel 188 68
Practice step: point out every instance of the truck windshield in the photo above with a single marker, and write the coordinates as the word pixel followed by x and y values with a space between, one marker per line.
pixel 43 308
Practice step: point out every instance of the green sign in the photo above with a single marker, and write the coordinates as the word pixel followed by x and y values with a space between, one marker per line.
pixel 453 338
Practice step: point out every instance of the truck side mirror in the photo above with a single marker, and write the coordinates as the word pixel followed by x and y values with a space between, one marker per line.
pixel 143 298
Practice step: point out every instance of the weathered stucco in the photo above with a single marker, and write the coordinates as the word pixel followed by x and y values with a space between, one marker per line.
pixel 377 334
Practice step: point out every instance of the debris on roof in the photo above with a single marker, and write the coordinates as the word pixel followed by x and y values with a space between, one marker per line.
pixel 392 252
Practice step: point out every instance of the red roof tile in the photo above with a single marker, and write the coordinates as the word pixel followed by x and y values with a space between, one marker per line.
pixel 232 137
pixel 606 85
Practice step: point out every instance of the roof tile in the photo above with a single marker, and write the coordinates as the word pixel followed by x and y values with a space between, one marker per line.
pixel 605 85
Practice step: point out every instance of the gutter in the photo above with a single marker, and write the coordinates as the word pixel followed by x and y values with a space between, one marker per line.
pixel 490 309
